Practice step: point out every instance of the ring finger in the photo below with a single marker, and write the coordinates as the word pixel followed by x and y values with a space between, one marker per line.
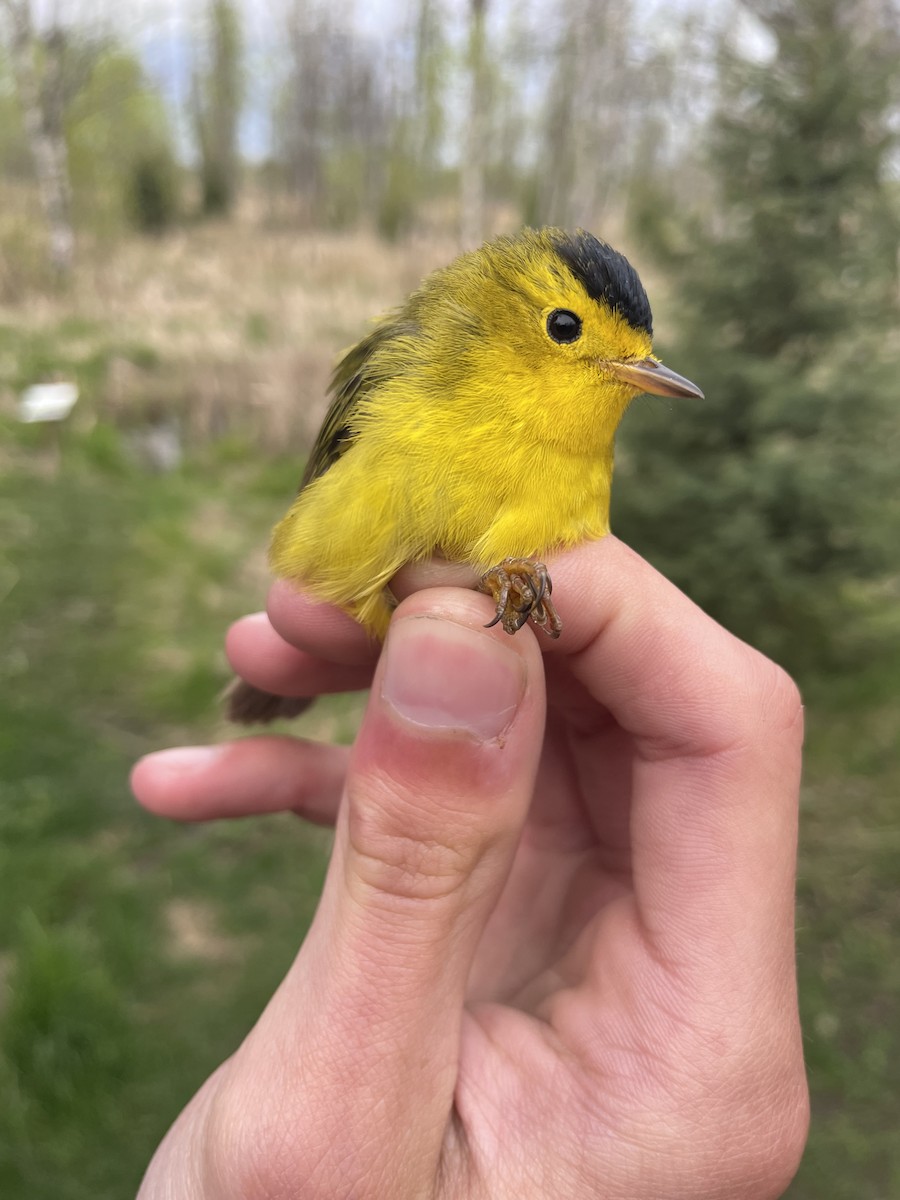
pixel 243 778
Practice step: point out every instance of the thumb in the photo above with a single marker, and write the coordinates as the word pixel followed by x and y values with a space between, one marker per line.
pixel 438 789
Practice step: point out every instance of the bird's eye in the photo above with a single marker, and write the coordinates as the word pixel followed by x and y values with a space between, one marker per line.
pixel 564 326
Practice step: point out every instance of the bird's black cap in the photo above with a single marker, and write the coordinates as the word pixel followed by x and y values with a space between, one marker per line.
pixel 606 275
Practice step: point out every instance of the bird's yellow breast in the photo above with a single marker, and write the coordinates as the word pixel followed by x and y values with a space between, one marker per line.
pixel 472 478
pixel 485 482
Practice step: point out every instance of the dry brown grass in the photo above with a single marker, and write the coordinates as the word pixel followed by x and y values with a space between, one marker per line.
pixel 236 325
pixel 198 292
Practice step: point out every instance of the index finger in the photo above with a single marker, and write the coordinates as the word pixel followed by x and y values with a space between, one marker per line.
pixel 717 732
pixel 674 678
pixel 319 628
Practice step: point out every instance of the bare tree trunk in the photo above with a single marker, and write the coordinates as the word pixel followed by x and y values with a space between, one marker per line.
pixel 308 39
pixel 556 180
pixel 595 96
pixel 475 149
pixel 607 105
pixel 429 43
pixel 217 100
pixel 43 130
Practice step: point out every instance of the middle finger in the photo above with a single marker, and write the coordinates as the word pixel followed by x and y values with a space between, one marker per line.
pixel 261 656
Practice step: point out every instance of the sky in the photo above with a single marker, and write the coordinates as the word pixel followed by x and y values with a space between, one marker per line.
pixel 165 34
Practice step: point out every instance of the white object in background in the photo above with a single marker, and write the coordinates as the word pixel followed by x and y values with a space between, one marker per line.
pixel 47 402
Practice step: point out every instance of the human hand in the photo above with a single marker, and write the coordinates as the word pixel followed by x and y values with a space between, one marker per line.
pixel 550 960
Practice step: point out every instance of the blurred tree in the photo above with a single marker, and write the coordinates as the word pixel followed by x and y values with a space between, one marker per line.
pixel 300 118
pixel 429 82
pixel 16 161
pixel 121 154
pixel 417 123
pixel 403 183
pixel 774 501
pixel 678 89
pixel 621 104
pixel 515 65
pixel 36 64
pixel 117 144
pixel 218 94
pixel 475 141
pixel 594 92
pixel 152 201
pixel 415 120
pixel 352 140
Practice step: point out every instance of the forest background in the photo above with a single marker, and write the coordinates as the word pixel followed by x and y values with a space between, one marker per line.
pixel 201 203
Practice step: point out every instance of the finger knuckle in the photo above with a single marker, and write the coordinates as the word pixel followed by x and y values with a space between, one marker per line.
pixel 407 847
pixel 777 697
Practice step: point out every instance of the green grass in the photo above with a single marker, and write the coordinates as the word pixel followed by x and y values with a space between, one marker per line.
pixel 848 941
pixel 134 954
pixel 119 933
pixel 74 348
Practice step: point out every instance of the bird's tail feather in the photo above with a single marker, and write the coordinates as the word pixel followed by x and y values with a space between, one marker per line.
pixel 249 705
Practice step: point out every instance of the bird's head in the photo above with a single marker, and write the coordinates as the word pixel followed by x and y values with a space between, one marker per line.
pixel 561 319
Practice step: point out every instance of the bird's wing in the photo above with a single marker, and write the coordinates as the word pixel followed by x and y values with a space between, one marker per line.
pixel 354 376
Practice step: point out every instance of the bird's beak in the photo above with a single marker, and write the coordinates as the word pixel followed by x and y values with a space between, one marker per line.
pixel 650 375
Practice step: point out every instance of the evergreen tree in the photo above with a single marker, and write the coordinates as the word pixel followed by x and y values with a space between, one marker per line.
pixel 773 502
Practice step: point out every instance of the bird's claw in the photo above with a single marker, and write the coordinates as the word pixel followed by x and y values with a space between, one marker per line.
pixel 521 589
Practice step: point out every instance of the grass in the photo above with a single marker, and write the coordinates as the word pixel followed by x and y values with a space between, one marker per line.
pixel 120 935
pixel 848 922
pixel 231 331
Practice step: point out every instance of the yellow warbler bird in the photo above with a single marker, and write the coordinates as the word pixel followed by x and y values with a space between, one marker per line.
pixel 475 422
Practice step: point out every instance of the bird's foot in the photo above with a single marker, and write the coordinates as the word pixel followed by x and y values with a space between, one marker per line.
pixel 521 589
